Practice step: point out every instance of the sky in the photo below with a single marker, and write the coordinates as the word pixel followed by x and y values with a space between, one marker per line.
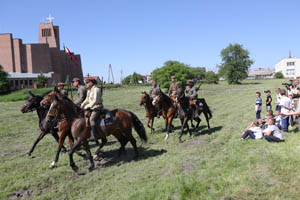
pixel 140 35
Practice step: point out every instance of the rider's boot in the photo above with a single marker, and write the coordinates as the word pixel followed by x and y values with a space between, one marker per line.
pixel 94 133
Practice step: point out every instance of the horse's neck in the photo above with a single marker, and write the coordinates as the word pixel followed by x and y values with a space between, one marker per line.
pixel 42 113
pixel 149 104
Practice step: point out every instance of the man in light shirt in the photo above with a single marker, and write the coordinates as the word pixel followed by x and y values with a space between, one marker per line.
pixel 285 104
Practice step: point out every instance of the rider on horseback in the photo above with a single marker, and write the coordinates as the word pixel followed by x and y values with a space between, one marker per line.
pixel 60 87
pixel 154 91
pixel 191 92
pixel 93 102
pixel 81 91
pixel 173 87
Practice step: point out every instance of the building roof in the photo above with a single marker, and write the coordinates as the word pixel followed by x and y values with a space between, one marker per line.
pixel 27 75
pixel 260 72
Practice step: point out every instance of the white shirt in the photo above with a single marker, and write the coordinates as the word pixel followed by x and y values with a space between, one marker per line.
pixel 278 98
pixel 275 131
pixel 257 132
pixel 285 101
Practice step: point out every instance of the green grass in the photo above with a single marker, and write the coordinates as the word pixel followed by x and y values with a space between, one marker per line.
pixel 23 94
pixel 210 165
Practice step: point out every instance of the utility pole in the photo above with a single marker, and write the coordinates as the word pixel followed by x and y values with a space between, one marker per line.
pixel 121 76
pixel 110 73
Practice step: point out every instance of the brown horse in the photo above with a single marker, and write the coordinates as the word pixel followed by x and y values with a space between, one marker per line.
pixel 168 110
pixel 151 111
pixel 75 124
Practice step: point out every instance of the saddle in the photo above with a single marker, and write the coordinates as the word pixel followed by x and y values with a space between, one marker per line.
pixel 106 117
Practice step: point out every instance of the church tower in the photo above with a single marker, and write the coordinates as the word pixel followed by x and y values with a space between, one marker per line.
pixel 49 34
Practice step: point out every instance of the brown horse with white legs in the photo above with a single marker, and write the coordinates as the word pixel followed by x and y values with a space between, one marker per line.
pixel 75 124
pixel 151 111
pixel 168 110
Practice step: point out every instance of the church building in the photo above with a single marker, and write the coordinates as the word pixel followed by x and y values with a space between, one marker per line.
pixel 24 62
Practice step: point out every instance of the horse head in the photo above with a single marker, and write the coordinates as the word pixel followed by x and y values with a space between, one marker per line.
pixel 144 98
pixel 32 103
pixel 48 99
pixel 56 106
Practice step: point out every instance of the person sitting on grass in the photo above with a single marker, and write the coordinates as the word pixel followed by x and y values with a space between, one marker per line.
pixel 253 131
pixel 258 104
pixel 277 118
pixel 272 133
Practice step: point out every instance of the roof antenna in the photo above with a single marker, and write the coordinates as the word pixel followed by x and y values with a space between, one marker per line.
pixel 290 54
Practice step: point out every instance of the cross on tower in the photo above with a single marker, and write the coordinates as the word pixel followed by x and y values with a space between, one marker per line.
pixel 50 18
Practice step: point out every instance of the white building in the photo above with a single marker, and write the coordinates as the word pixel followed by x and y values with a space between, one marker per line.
pixel 289 67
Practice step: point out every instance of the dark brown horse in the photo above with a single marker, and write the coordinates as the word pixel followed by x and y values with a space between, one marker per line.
pixel 151 111
pixel 33 104
pixel 168 110
pixel 186 111
pixel 75 124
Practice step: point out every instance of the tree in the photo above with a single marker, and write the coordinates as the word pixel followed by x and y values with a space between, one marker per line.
pixel 211 77
pixel 235 63
pixel 197 73
pixel 132 79
pixel 171 68
pixel 41 80
pixel 278 75
pixel 4 82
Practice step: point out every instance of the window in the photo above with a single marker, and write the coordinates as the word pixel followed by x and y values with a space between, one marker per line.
pixel 21 82
pixel 46 32
pixel 16 82
pixel 26 82
pixel 290 72
pixel 30 82
pixel 290 63
pixel 11 83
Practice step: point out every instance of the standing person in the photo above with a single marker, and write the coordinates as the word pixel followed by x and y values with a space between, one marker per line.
pixel 94 102
pixel 258 104
pixel 269 100
pixel 60 87
pixel 173 87
pixel 81 91
pixel 272 133
pixel 285 104
pixel 278 98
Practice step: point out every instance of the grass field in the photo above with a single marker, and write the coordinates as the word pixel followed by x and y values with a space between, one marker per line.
pixel 211 165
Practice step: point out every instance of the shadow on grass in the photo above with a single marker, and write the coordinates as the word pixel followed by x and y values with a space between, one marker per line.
pixel 254 83
pixel 110 158
pixel 208 131
pixel 107 144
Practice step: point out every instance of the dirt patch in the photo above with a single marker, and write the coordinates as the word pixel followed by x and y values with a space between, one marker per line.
pixel 194 142
pixel 187 167
pixel 21 194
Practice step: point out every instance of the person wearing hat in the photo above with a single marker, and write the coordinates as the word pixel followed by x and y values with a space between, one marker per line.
pixel 269 100
pixel 154 92
pixel 191 92
pixel 173 87
pixel 81 91
pixel 93 101
pixel 60 87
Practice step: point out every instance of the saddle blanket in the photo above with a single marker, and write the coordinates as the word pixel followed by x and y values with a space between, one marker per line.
pixel 107 118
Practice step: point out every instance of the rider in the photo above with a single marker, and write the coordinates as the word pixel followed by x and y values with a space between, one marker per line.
pixel 60 87
pixel 155 91
pixel 153 88
pixel 191 92
pixel 81 91
pixel 94 102
pixel 173 87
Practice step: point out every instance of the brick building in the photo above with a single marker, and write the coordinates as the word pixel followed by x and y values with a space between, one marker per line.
pixel 45 56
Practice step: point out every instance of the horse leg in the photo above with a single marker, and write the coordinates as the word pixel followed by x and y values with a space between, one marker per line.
pixel 148 124
pixel 42 134
pixel 182 128
pixel 89 155
pixel 169 122
pixel 152 121
pixel 56 137
pixel 75 146
pixel 198 120
pixel 192 125
pixel 103 142
pixel 133 143
pixel 60 144
pixel 166 124
pixel 207 120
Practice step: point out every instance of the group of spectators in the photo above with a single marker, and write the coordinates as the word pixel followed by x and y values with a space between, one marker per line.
pixel 287 113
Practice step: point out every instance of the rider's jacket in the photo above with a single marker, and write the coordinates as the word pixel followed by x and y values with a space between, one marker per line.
pixel 93 99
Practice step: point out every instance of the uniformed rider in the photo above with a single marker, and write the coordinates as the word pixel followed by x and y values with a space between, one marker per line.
pixel 155 91
pixel 60 87
pixel 93 101
pixel 81 91
pixel 191 92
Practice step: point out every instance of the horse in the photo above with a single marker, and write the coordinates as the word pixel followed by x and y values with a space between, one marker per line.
pixel 32 104
pixel 76 125
pixel 151 111
pixel 204 108
pixel 168 110
pixel 186 111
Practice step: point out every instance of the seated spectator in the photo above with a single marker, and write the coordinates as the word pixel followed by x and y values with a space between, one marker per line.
pixel 278 119
pixel 253 131
pixel 272 133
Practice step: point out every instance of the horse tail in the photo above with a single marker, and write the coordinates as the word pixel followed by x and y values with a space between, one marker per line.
pixel 138 127
pixel 206 108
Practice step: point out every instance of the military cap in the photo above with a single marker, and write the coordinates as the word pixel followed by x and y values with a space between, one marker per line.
pixel 189 81
pixel 90 80
pixel 61 84
pixel 75 79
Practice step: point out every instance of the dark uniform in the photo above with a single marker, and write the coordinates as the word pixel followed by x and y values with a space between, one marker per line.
pixel 191 92
pixel 81 95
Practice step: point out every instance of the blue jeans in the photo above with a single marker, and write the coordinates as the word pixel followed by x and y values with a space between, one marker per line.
pixel 278 107
pixel 285 124
pixel 248 133
pixel 258 114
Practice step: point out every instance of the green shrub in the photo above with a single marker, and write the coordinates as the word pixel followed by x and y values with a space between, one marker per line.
pixel 278 75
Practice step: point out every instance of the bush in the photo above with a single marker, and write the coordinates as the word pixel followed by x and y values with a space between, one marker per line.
pixel 211 77
pixel 278 75
pixel 19 95
pixel 41 80
pixel 4 82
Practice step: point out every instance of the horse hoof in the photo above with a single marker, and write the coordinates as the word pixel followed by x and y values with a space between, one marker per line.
pixel 52 165
pixel 28 154
pixel 164 130
pixel 166 138
pixel 75 168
